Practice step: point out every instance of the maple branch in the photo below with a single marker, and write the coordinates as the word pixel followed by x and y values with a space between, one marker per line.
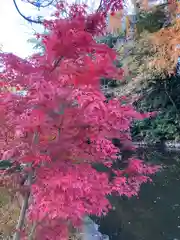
pixel 170 98
pixel 56 63
pixel 32 231
pixel 24 208
pixel 26 18
pixel 41 5
pixel 35 225
pixel 100 6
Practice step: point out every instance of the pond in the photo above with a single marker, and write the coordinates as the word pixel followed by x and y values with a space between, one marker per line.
pixel 155 214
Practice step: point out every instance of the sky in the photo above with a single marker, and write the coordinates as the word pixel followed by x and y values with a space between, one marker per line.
pixel 14 30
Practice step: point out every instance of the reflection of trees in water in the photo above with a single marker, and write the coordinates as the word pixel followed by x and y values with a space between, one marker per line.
pixel 156 214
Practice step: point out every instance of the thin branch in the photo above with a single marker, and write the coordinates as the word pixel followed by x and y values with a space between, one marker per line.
pixel 100 6
pixel 41 5
pixel 56 63
pixel 35 225
pixel 26 18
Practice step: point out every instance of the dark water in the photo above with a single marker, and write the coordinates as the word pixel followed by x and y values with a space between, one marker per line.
pixel 155 215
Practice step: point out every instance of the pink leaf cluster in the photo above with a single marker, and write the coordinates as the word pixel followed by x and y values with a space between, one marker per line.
pixel 64 124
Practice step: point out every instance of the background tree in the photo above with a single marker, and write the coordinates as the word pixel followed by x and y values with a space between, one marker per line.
pixel 151 60
pixel 161 92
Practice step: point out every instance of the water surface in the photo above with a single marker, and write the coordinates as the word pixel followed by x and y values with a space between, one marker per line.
pixel 155 215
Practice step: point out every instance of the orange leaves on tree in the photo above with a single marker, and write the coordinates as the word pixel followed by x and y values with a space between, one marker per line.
pixel 166 43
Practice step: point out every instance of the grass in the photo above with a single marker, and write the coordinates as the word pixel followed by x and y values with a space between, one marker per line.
pixel 9 212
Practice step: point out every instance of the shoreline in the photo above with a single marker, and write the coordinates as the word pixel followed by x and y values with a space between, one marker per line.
pixel 168 145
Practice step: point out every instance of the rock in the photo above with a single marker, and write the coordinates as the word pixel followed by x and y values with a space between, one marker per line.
pixel 91 232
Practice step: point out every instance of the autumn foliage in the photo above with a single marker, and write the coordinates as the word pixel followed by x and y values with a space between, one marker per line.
pixel 65 124
pixel 166 47
pixel 165 43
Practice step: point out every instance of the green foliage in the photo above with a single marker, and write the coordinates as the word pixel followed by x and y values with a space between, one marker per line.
pixel 159 93
pixel 5 164
pixel 151 21
pixel 162 96
pixel 111 41
pixel 37 43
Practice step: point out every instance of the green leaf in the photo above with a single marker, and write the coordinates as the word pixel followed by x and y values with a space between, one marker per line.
pixel 4 164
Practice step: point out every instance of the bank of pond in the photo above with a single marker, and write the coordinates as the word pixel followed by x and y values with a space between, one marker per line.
pixel 155 214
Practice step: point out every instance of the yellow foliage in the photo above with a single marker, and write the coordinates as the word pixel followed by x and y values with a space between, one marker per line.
pixel 116 21
pixel 150 56
pixel 137 55
pixel 166 45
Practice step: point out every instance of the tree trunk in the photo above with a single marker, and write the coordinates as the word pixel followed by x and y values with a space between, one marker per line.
pixel 24 208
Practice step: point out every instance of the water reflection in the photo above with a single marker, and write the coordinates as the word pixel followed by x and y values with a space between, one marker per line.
pixel 156 214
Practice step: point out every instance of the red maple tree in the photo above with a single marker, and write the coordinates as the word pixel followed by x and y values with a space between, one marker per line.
pixel 64 124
